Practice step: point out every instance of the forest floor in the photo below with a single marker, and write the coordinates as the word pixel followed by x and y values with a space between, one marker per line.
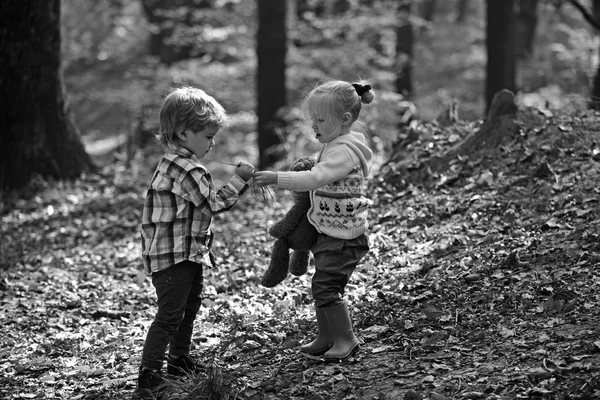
pixel 482 283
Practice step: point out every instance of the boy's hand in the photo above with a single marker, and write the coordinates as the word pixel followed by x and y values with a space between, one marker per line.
pixel 265 178
pixel 245 170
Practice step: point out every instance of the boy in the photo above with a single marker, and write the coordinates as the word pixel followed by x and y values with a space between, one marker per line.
pixel 176 228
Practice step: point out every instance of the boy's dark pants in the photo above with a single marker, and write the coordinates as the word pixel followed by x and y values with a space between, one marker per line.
pixel 179 291
pixel 335 261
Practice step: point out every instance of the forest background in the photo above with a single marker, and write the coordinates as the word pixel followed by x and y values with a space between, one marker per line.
pixel 448 65
pixel 450 305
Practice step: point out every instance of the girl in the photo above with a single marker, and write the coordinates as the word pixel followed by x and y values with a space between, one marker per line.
pixel 338 208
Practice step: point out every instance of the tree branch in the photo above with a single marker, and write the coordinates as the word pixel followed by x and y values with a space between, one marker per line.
pixel 586 14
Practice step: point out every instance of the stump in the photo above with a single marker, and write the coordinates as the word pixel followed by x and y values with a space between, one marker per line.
pixel 499 124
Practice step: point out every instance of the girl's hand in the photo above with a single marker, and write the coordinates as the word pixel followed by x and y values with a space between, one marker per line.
pixel 265 178
pixel 245 170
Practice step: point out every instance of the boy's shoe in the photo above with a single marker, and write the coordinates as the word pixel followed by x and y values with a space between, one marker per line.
pixel 183 365
pixel 150 384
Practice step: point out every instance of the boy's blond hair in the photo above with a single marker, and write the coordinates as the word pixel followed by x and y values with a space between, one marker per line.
pixel 187 108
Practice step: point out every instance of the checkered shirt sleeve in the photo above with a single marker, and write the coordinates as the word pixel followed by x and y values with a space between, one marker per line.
pixel 178 210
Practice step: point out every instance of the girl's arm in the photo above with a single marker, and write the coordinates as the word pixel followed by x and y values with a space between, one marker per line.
pixel 334 165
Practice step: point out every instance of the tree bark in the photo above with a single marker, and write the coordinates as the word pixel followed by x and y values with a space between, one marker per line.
pixel 38 134
pixel 271 49
pixel 594 102
pixel 500 43
pixel 498 125
pixel 404 50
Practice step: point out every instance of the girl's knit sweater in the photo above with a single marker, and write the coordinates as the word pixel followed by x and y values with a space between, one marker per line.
pixel 339 207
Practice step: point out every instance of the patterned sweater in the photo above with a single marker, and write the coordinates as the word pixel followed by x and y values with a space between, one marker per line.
pixel 339 207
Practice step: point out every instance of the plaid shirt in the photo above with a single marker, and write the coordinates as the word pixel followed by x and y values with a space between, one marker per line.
pixel 178 211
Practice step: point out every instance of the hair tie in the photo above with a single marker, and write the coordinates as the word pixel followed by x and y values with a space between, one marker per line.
pixel 361 89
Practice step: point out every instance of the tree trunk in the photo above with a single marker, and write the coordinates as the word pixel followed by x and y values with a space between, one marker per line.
pixel 596 10
pixel 427 9
pixel 38 134
pixel 500 43
pixel 292 14
pixel 271 49
pixel 526 26
pixel 461 12
pixel 594 103
pixel 404 50
pixel 329 6
pixel 498 126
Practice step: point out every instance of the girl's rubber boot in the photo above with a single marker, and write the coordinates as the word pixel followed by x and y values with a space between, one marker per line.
pixel 323 341
pixel 345 343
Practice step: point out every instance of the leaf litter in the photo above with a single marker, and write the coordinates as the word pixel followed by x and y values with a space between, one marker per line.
pixel 482 282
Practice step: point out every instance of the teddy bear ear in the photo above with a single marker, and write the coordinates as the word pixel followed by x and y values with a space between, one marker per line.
pixel 303 164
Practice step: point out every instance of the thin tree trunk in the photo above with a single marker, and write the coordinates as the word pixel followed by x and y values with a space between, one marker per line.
pixel 526 25
pixel 404 50
pixel 427 9
pixel 500 43
pixel 38 134
pixel 292 14
pixel 594 103
pixel 461 12
pixel 271 49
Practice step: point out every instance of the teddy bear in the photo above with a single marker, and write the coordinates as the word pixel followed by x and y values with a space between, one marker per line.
pixel 292 232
